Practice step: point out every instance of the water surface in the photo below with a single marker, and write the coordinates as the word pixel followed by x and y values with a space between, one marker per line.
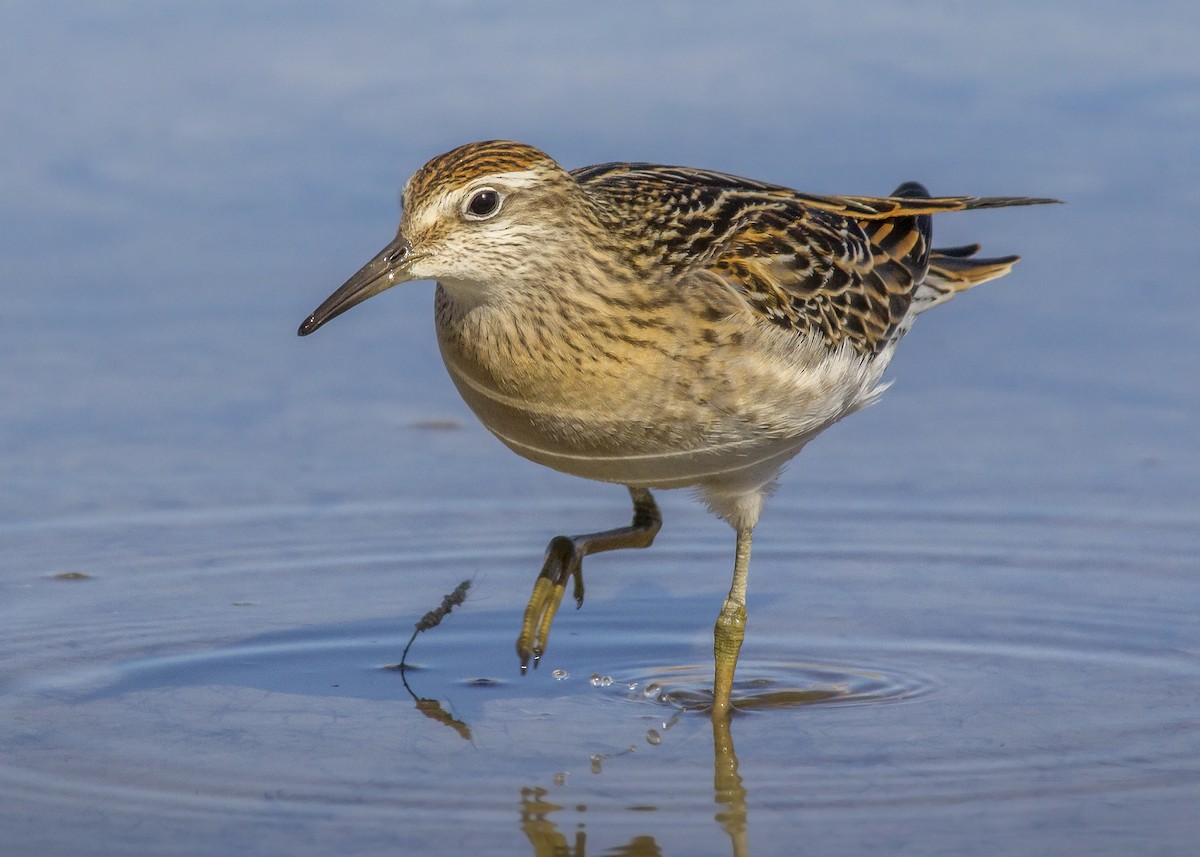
pixel 972 607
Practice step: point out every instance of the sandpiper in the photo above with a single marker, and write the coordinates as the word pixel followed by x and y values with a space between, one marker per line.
pixel 661 327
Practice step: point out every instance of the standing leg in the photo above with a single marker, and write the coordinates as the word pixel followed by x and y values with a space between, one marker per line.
pixel 564 560
pixel 730 629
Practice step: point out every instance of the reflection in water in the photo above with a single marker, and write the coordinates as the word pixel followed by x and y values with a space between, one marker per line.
pixel 543 834
pixel 728 790
pixel 432 709
pixel 1017 712
pixel 548 841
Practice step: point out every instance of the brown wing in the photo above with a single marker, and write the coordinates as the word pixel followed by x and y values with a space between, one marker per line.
pixel 842 268
pixel 848 281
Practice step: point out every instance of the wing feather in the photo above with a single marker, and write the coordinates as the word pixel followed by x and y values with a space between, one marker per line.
pixel 845 268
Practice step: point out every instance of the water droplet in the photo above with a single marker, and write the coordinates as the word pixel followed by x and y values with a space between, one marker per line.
pixel 595 679
pixel 652 690
pixel 559 675
pixel 597 763
pixel 653 738
pixel 560 778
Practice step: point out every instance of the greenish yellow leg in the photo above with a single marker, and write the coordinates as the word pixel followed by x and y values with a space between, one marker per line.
pixel 564 561
pixel 730 629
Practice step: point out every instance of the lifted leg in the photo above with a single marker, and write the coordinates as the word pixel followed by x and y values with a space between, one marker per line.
pixel 730 629
pixel 564 560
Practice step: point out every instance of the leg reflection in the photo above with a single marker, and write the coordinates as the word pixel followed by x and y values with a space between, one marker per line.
pixel 543 834
pixel 728 790
pixel 539 827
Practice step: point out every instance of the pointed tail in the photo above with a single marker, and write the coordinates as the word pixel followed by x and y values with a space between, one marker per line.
pixel 955 269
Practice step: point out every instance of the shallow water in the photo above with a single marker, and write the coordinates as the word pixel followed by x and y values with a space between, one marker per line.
pixel 934 670
pixel 972 617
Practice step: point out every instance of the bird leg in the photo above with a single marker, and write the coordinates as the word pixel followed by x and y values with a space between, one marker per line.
pixel 564 560
pixel 730 629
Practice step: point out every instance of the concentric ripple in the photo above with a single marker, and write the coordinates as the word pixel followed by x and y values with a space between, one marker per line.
pixel 246 674
pixel 774 685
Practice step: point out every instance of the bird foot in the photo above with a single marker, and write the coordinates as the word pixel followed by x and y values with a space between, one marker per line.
pixel 563 561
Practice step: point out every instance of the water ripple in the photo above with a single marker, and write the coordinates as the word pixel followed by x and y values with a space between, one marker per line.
pixel 237 664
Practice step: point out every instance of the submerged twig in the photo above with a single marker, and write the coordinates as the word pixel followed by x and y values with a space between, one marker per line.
pixel 434 617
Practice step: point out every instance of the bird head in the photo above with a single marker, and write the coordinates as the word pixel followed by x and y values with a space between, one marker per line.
pixel 475 219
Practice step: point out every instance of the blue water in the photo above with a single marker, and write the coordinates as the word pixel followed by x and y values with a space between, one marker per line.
pixel 993 572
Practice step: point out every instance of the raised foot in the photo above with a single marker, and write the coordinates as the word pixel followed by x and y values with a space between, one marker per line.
pixel 563 561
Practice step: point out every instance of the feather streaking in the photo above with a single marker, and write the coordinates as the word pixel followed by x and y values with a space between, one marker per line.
pixel 662 327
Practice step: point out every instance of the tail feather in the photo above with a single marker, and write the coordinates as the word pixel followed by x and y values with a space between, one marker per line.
pixel 959 270
pixel 959 252
pixel 955 269
pixel 899 227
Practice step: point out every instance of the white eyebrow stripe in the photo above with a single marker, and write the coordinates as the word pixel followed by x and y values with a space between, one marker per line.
pixel 429 214
pixel 516 178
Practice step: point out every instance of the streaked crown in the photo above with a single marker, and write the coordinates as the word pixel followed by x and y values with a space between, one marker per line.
pixel 465 164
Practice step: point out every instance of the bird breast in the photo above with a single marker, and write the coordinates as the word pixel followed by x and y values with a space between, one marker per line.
pixel 663 404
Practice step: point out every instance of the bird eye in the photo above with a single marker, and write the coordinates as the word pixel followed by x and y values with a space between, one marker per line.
pixel 483 204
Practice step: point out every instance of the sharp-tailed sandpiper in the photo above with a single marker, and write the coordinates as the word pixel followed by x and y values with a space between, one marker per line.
pixel 661 327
